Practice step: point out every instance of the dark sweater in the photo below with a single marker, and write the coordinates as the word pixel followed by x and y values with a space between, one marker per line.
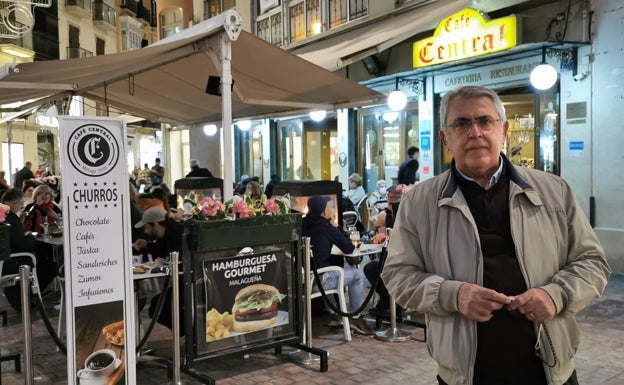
pixel 505 343
pixel 20 242
pixel 322 236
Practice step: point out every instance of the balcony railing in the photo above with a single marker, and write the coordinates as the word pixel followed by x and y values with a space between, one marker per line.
pixel 77 52
pixel 12 35
pixel 84 4
pixel 130 5
pixel 105 13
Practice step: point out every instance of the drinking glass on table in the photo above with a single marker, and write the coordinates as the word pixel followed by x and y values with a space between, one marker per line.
pixel 44 225
pixel 354 235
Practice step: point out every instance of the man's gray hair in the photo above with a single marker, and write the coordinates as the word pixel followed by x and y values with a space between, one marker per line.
pixel 194 163
pixel 470 92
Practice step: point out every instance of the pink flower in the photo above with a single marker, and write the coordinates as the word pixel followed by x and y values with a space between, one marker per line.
pixel 240 208
pixel 271 207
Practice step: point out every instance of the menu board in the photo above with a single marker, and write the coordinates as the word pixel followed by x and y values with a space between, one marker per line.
pixel 97 251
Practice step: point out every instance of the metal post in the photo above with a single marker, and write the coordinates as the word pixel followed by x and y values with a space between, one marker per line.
pixel 174 256
pixel 301 356
pixel 393 334
pixel 9 125
pixel 308 285
pixel 24 272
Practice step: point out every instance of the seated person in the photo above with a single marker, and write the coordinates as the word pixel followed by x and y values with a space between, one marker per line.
pixel 317 225
pixel 42 209
pixel 356 192
pixel 22 242
pixel 166 236
pixel 380 193
pixel 372 270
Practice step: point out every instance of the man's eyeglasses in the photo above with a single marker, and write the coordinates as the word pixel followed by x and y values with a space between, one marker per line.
pixel 462 125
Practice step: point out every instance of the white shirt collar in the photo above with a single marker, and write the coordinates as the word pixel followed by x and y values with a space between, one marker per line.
pixel 493 180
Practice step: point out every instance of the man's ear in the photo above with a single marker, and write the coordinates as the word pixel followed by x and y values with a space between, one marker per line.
pixel 443 139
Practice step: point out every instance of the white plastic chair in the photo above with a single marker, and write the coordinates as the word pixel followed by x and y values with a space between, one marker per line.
pixel 35 286
pixel 349 218
pixel 340 290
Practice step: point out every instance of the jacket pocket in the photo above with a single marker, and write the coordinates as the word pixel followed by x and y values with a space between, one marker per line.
pixel 559 340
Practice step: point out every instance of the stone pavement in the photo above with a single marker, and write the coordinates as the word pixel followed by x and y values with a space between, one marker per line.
pixel 363 360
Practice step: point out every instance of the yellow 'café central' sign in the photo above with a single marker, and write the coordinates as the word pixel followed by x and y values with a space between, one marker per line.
pixel 464 35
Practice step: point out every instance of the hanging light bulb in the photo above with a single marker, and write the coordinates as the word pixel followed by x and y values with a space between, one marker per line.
pixel 318 115
pixel 210 129
pixel 244 125
pixel 544 75
pixel 397 100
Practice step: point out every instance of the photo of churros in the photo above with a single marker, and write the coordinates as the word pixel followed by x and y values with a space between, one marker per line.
pixel 115 333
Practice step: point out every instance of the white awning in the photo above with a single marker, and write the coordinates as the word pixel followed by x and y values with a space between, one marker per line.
pixel 167 81
pixel 341 49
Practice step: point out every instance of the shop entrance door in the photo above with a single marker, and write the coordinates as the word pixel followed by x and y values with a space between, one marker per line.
pixel 308 150
pixel 532 137
pixel 384 137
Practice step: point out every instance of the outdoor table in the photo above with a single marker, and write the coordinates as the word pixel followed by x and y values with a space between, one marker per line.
pixel 55 242
pixel 364 249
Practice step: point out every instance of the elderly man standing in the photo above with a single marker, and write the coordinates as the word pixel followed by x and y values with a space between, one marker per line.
pixel 500 258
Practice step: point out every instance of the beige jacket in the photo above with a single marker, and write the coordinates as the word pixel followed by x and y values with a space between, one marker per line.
pixel 434 248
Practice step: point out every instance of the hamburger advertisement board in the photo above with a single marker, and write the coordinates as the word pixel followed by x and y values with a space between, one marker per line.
pixel 247 298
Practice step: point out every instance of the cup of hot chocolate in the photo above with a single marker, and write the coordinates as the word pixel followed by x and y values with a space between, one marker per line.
pixel 98 366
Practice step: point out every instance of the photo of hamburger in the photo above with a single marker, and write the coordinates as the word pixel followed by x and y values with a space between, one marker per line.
pixel 255 307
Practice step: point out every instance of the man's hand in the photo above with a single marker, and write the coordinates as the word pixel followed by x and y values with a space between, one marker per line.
pixel 378 239
pixel 139 244
pixel 477 303
pixel 535 304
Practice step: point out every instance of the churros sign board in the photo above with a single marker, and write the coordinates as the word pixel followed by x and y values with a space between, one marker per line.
pixel 97 251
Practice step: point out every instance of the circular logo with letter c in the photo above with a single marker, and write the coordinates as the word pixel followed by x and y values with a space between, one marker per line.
pixel 93 150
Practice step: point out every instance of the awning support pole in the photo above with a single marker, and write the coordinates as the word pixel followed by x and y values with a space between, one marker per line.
pixel 226 109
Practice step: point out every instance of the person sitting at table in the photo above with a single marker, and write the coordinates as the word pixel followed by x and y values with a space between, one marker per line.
pixel 28 187
pixel 42 209
pixel 19 241
pixel 372 270
pixel 323 235
pixel 164 235
pixel 146 200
